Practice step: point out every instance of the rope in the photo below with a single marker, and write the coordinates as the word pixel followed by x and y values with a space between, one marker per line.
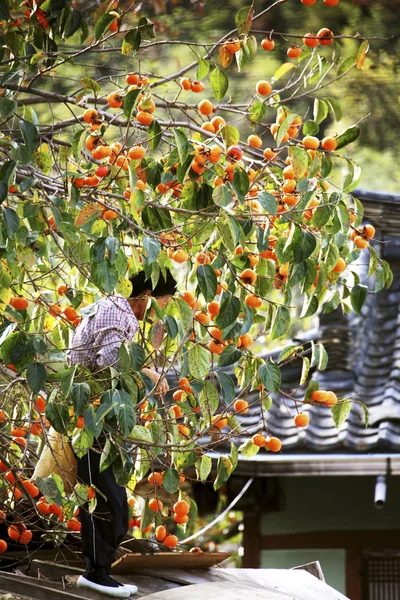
pixel 227 509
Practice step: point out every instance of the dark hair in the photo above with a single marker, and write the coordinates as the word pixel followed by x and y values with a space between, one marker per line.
pixel 164 287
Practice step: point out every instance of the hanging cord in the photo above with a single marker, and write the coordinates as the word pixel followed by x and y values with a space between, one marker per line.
pixel 221 516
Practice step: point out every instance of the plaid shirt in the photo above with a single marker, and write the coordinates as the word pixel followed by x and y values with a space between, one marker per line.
pixel 107 324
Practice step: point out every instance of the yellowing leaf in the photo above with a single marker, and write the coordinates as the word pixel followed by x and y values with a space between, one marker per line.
pixel 86 213
pixel 49 323
pixel 362 51
pixel 124 288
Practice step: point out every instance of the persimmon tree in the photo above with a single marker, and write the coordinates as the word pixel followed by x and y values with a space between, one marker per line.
pixel 158 171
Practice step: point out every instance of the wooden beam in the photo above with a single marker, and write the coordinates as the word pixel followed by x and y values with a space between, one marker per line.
pixel 252 540
pixel 353 574
pixel 373 538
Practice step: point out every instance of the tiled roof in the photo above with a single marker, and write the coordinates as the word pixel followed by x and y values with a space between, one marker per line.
pixel 364 362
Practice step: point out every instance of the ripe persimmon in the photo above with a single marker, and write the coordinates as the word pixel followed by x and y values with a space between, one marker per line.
pixel 308 2
pixel 155 478
pixel 206 107
pixel 137 152
pixel 160 533
pixel 311 142
pixel 329 143
pixel 155 505
pixel 254 141
pixel 311 40
pixel 181 508
pixel 301 420
pixel 361 242
pixel 70 313
pixel 101 152
pixel 180 256
pixel 144 118
pixel 253 301
pixel 183 430
pixel 264 88
pixel 170 541
pixel 241 406
pixel 115 100
pixel 248 276
pixel 274 444
pixel 73 524
pixel 90 115
pixel 269 154
pixel 294 52
pixel 19 303
pixel 3 546
pixel 186 83
pixel 109 215
pixel 213 308
pixel 267 44
pixel 259 440
pixel 369 231
pixel 181 520
pixel 197 86
pixel 245 340
pixel 202 317
pixel 340 265
pixel 325 36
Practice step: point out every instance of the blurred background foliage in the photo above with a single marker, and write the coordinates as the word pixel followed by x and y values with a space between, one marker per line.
pixel 375 91
pixel 371 95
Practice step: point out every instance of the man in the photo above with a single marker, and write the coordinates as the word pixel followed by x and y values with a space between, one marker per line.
pixel 95 344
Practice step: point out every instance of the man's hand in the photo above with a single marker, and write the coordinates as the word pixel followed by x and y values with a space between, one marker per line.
pixel 162 386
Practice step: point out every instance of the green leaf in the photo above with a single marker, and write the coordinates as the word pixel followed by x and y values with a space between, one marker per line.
pixel 90 84
pixel 219 83
pixel 131 42
pixel 283 128
pixel 240 183
pixel 320 110
pixel 243 19
pixel 222 195
pixel 305 247
pixel 126 418
pixel 36 376
pixel 203 68
pixel 227 387
pixel 102 24
pixel 283 69
pixel 7 107
pixel 287 352
pixel 312 387
pixel 91 425
pixel 268 202
pixel 335 108
pixel 305 370
pixel 152 247
pixel 332 304
pixel 182 145
pixel 58 416
pixel 154 135
pixel 257 110
pixel 199 361
pixel 310 128
pixel 321 215
pixel 310 306
pixel 323 358
pixel 281 322
pixel 348 136
pixel 228 312
pixel 230 135
pixel 207 281
pixel 80 394
pixel 170 481
pixel 357 297
pixel 48 488
pixel 346 64
pixel 340 412
pixel 208 401
pixel 270 376
pixel 4 11
pixel 299 160
pixel 130 102
pixel 229 356
pixel 11 220
pixel 224 469
pixel 204 467
pixel 248 449
pixel 331 256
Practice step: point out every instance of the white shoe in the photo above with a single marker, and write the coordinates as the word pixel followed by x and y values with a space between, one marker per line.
pixel 115 592
pixel 132 588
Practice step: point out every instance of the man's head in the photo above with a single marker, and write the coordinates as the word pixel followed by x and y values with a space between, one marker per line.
pixel 142 289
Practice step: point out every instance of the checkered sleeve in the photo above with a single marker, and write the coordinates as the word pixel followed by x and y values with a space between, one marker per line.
pixel 115 324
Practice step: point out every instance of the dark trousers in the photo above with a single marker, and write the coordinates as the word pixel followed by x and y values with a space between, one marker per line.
pixel 104 529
